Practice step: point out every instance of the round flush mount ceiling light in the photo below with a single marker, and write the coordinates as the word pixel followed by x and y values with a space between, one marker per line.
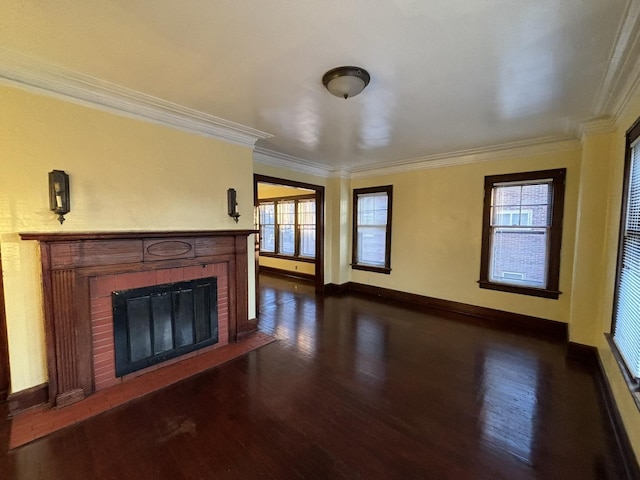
pixel 346 82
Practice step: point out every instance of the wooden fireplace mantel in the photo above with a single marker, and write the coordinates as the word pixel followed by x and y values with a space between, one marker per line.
pixel 70 260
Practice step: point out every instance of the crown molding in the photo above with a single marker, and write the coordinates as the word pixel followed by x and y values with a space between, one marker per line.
pixel 605 124
pixel 544 145
pixel 272 158
pixel 611 93
pixel 35 75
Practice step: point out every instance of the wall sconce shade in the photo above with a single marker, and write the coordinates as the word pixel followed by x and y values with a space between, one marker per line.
pixel 232 204
pixel 346 82
pixel 59 198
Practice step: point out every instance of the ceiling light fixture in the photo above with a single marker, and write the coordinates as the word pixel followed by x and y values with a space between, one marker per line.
pixel 346 82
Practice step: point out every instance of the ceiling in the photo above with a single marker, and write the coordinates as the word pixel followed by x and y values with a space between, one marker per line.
pixel 446 75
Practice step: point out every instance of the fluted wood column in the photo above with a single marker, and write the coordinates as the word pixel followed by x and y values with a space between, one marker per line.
pixel 64 296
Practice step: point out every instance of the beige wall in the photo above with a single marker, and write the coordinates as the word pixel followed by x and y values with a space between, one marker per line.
pixel 125 175
pixel 436 234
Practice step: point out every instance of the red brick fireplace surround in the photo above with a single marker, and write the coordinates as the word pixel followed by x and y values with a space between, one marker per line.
pixel 80 270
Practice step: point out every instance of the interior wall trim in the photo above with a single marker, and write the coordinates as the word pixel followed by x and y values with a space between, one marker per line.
pixel 276 159
pixel 28 398
pixel 5 370
pixel 549 329
pixel 32 74
pixel 613 92
pixel 536 146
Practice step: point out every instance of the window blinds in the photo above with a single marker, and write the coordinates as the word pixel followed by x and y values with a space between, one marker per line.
pixel 627 314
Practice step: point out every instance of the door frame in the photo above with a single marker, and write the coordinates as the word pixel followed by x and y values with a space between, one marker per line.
pixel 319 196
pixel 5 375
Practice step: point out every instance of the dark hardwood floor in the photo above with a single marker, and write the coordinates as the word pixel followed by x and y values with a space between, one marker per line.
pixel 354 388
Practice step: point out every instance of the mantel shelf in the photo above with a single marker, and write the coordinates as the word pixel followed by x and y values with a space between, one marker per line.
pixel 65 237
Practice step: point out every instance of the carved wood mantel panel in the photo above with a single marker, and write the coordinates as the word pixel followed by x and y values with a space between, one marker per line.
pixel 69 260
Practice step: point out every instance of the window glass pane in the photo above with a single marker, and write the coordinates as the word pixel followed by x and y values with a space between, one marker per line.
pixel 308 241
pixel 536 194
pixel 307 227
pixel 519 256
pixel 286 227
pixel 372 209
pixel 266 217
pixel 287 240
pixel 286 212
pixel 507 196
pixel 372 245
pixel 267 213
pixel 267 238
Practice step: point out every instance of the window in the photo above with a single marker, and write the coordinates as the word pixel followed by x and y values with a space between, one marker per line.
pixel 626 315
pixel 307 227
pixel 522 232
pixel 267 220
pixel 372 229
pixel 288 227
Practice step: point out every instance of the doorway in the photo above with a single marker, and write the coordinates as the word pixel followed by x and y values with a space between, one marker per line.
pixel 300 206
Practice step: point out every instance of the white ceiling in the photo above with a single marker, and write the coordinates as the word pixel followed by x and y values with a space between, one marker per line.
pixel 446 75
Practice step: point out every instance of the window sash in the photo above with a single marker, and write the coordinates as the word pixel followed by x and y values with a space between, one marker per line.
pixel 520 246
pixel 626 334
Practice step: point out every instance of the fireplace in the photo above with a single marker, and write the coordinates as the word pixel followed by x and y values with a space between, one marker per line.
pixel 157 323
pixel 84 272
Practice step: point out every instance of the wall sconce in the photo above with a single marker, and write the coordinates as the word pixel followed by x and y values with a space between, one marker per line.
pixel 59 198
pixel 232 204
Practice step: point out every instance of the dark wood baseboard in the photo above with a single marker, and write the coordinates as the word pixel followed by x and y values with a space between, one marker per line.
pixel 335 289
pixel 610 407
pixel 287 273
pixel 550 329
pixel 584 353
pixel 29 398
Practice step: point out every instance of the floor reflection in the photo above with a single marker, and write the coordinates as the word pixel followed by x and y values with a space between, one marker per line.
pixel 290 313
pixel 509 401
pixel 370 349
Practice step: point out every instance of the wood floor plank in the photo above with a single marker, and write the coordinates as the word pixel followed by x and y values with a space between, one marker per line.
pixel 355 387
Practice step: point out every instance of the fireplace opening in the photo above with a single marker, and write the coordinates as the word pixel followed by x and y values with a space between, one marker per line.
pixel 157 323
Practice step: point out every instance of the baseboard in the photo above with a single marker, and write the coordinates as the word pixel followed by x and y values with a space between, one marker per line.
pixel 550 329
pixel 29 398
pixel 632 469
pixel 335 289
pixel 584 353
pixel 287 273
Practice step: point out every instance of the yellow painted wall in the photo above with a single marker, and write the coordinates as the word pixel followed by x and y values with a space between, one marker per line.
pixel 277 191
pixel 591 258
pixel 436 234
pixel 606 280
pixel 339 206
pixel 293 266
pixel 125 175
